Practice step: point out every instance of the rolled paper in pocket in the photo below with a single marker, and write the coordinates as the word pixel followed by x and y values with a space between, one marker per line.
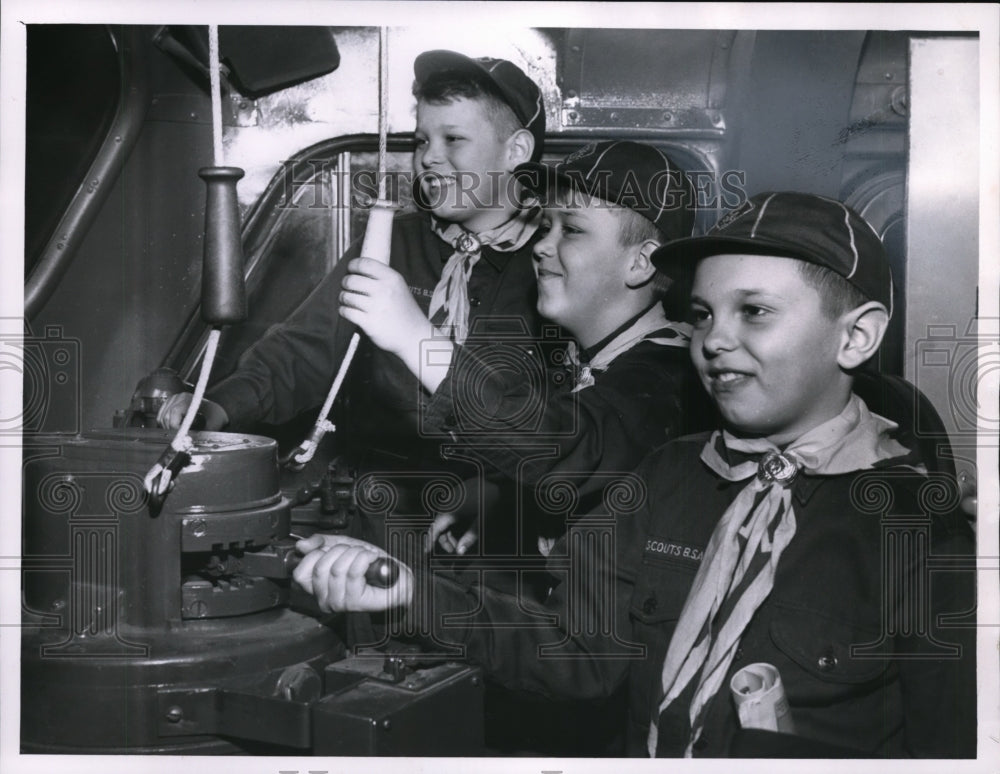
pixel 760 699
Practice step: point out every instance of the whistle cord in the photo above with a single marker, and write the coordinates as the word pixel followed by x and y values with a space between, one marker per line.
pixel 304 452
pixel 383 108
pixel 216 81
pixel 159 477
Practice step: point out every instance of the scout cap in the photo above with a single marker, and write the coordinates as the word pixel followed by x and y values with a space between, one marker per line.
pixel 521 94
pixel 808 227
pixel 628 174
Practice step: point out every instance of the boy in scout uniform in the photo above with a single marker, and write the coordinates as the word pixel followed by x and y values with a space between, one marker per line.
pixel 795 538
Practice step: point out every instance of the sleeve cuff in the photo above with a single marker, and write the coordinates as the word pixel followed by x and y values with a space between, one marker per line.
pixel 238 399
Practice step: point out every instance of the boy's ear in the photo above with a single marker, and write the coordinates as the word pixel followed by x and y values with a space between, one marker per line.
pixel 640 267
pixel 863 330
pixel 520 146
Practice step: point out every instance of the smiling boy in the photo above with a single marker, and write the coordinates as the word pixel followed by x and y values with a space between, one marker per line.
pixel 629 387
pixel 792 294
pixel 798 536
pixel 464 257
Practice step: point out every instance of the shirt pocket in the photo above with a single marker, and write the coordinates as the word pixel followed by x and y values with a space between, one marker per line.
pixel 660 592
pixel 816 661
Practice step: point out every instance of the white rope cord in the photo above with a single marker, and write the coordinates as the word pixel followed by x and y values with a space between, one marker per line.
pixel 158 478
pixel 182 441
pixel 213 61
pixel 383 108
pixel 307 449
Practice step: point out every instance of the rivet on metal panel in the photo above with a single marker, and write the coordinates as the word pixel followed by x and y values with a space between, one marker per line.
pixel 175 714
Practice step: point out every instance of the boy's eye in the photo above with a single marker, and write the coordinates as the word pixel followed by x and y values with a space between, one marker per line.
pixel 420 141
pixel 544 228
pixel 453 138
pixel 697 315
pixel 752 311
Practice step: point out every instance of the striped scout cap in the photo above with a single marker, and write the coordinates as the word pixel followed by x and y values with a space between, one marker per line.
pixel 625 173
pixel 785 224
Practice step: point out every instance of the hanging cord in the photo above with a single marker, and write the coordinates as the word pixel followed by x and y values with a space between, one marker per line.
pixel 177 455
pixel 304 452
pixel 383 108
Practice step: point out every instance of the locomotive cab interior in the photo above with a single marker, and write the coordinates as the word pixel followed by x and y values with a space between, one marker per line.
pixel 178 618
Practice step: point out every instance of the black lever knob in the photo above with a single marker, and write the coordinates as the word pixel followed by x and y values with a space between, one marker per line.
pixel 383 573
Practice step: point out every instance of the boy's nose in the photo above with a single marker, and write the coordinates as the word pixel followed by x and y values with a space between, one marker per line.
pixel 717 338
pixel 431 155
pixel 544 247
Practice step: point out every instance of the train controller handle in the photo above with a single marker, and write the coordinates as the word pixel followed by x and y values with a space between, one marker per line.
pixel 381 573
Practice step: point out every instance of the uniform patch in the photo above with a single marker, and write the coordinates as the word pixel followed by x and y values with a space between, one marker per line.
pixel 673 550
pixel 731 217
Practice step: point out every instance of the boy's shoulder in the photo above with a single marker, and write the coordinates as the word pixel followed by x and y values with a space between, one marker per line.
pixel 678 456
pixel 900 491
pixel 412 220
pixel 650 357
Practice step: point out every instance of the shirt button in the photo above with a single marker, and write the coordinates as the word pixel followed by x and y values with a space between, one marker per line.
pixel 474 301
pixel 739 654
pixel 649 605
pixel 827 663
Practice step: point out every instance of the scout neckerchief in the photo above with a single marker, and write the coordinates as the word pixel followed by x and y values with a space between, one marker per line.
pixel 449 310
pixel 652 325
pixel 737 570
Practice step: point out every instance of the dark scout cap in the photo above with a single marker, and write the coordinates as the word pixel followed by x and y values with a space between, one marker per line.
pixel 810 228
pixel 628 174
pixel 520 93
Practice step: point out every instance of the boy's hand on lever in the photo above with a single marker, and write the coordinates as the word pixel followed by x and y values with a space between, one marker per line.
pixel 377 299
pixel 334 567
pixel 174 409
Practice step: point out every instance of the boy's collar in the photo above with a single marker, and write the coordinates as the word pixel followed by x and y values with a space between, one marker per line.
pixel 587 354
pixel 889 453
pixel 518 230
pixel 803 488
